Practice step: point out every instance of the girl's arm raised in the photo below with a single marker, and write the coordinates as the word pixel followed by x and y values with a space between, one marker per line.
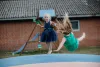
pixel 61 44
pixel 52 23
pixel 40 25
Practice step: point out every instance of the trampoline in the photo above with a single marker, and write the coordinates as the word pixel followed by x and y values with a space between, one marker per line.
pixel 51 60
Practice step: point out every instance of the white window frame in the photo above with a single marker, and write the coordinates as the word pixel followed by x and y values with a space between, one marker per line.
pixel 78 25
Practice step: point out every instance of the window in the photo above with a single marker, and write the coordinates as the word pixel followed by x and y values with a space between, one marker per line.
pixel 75 25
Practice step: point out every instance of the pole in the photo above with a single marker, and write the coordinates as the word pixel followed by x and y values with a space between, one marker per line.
pixel 28 39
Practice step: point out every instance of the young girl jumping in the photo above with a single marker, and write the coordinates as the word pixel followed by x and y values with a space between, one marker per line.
pixel 69 40
pixel 48 35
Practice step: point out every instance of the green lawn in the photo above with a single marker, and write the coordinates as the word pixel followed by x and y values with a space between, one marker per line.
pixel 83 50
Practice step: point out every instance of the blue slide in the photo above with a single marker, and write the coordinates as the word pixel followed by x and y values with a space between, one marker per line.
pixel 18 51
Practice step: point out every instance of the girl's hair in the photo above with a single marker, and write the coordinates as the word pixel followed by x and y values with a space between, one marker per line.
pixel 48 15
pixel 65 26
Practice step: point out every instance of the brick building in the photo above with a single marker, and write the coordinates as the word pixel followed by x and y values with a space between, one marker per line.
pixel 16 20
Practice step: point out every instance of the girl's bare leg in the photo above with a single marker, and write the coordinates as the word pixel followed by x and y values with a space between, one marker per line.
pixel 49 47
pixel 82 37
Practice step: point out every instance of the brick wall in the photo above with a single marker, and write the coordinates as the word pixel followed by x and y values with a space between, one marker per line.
pixel 92 29
pixel 14 34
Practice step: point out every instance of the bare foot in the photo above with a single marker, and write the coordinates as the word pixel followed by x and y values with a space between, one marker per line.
pixel 49 52
pixel 56 50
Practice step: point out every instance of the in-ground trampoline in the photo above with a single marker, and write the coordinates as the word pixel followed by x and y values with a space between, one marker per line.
pixel 52 60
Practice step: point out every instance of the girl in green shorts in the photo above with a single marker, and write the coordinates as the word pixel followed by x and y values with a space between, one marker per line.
pixel 69 40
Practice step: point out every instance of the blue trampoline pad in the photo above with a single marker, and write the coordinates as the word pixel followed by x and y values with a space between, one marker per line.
pixel 48 58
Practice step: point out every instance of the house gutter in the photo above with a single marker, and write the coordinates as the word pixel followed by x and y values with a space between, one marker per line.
pixel 81 16
pixel 27 18
pixel 74 16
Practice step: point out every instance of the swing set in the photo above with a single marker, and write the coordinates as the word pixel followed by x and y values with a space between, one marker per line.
pixel 37 21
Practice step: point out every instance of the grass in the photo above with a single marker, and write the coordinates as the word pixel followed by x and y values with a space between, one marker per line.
pixel 82 50
pixel 85 50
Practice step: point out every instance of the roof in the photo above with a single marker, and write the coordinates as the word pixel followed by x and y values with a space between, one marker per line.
pixel 10 9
